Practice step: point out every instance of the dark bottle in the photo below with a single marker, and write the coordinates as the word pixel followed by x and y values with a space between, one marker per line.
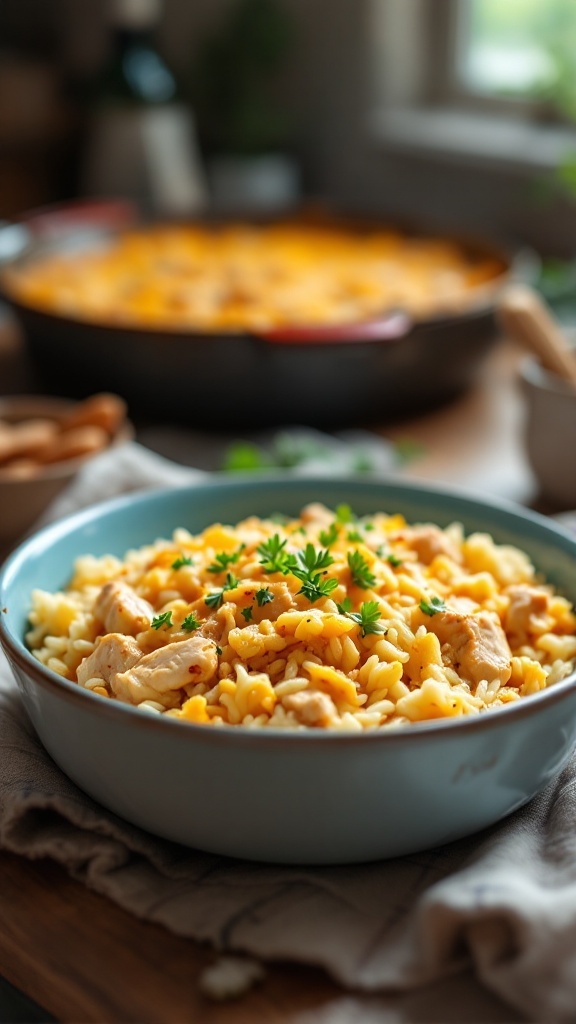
pixel 141 138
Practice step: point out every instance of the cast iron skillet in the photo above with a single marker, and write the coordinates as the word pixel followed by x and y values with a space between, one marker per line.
pixel 328 377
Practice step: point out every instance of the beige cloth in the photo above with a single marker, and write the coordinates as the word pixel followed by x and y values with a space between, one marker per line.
pixel 501 904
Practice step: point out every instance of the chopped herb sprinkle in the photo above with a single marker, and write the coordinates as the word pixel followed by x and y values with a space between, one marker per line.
pixel 360 571
pixel 190 623
pixel 435 604
pixel 181 561
pixel 165 619
pixel 222 560
pixel 216 598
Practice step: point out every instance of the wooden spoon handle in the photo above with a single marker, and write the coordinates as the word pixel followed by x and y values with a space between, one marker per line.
pixel 524 316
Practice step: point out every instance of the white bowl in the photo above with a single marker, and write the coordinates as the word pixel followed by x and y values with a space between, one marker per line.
pixel 304 797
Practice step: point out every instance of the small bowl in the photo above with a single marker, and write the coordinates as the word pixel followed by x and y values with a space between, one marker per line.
pixel 291 797
pixel 550 432
pixel 24 499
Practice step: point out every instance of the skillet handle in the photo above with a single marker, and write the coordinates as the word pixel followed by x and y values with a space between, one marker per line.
pixel 392 327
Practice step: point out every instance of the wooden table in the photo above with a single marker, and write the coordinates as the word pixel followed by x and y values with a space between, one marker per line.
pixel 83 959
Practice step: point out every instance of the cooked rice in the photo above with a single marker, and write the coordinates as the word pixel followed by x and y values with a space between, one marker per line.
pixel 419 623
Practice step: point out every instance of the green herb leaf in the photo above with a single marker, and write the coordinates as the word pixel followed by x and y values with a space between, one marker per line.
pixel 242 457
pixel 182 560
pixel 316 586
pixel 310 560
pixel 435 604
pixel 218 649
pixel 329 537
pixel 222 560
pixel 354 536
pixel 216 598
pixel 360 571
pixel 247 613
pixel 190 623
pixel 165 619
pixel 264 596
pixel 345 607
pixel 304 566
pixel 394 560
pixel 368 618
pixel 344 514
pixel 274 556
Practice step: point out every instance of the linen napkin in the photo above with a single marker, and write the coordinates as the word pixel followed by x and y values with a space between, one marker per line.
pixel 501 903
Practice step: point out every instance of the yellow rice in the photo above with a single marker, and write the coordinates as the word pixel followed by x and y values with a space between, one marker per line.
pixel 291 662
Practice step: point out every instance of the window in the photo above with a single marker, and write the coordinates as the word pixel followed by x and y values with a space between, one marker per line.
pixel 517 49
pixel 486 81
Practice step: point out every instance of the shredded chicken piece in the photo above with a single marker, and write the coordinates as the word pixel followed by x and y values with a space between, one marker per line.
pixel 526 604
pixel 114 653
pixel 121 610
pixel 475 645
pixel 282 601
pixel 317 513
pixel 311 708
pixel 166 669
pixel 430 541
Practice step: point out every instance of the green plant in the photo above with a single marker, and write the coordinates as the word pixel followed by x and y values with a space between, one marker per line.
pixel 237 68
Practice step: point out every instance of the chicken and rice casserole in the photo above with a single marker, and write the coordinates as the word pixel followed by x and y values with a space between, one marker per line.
pixel 329 621
pixel 243 277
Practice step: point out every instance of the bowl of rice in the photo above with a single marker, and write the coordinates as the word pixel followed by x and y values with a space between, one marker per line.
pixel 298 670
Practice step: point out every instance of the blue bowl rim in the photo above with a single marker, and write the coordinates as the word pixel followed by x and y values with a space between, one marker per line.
pixel 102 706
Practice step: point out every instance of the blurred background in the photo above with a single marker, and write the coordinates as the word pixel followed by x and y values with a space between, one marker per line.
pixel 454 114
pixel 456 118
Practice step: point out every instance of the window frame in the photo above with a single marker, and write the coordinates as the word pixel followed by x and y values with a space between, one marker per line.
pixel 423 108
pixel 446 31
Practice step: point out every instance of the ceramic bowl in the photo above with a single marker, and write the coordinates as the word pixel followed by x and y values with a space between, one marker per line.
pixel 24 499
pixel 308 797
pixel 550 432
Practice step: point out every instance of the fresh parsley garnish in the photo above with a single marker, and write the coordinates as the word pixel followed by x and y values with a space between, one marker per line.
pixel 344 514
pixel 274 554
pixel 309 566
pixel 360 571
pixel 309 560
pixel 368 618
pixel 314 587
pixel 264 596
pixel 180 561
pixel 218 649
pixel 354 536
pixel 190 623
pixel 369 526
pixel 435 604
pixel 394 560
pixel 222 560
pixel 216 598
pixel 165 619
pixel 329 537
pixel 247 613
